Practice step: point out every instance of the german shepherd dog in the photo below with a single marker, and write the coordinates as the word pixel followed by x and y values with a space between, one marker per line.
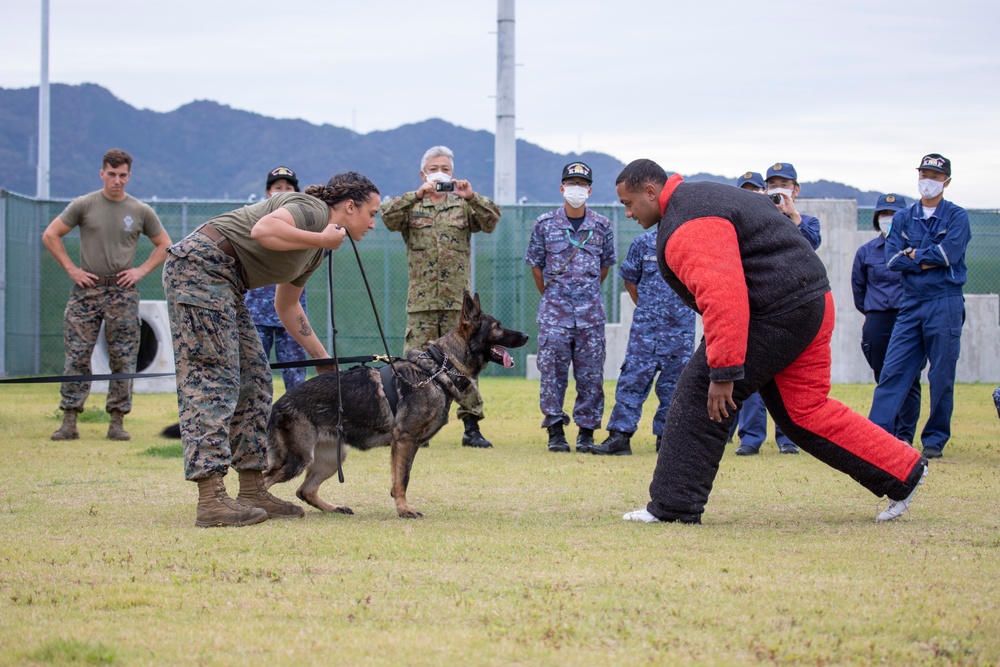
pixel 302 430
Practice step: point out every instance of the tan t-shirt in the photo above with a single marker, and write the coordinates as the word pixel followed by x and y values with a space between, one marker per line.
pixel 109 230
pixel 262 266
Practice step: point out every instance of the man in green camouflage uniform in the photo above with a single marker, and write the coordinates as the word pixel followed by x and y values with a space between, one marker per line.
pixel 437 222
pixel 224 384
pixel 104 289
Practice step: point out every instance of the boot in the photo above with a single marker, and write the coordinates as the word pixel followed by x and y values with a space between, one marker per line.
pixel 216 508
pixel 585 440
pixel 557 438
pixel 68 429
pixel 253 493
pixel 472 437
pixel 659 439
pixel 116 431
pixel 617 444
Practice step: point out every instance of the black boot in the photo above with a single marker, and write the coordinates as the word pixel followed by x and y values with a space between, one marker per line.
pixel 659 438
pixel 472 436
pixel 557 438
pixel 617 444
pixel 585 440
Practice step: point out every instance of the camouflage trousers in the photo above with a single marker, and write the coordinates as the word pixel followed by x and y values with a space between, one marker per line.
pixel 224 384
pixel 425 326
pixel 119 310
pixel 633 387
pixel 585 348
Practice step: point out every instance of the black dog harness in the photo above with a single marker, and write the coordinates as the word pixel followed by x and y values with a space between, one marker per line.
pixel 453 381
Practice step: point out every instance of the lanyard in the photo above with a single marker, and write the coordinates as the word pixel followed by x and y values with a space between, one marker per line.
pixel 579 244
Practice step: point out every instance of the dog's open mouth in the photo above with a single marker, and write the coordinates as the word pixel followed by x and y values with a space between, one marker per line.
pixel 501 356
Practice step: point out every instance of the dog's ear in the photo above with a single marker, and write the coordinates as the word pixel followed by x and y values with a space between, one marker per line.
pixel 470 306
pixel 471 314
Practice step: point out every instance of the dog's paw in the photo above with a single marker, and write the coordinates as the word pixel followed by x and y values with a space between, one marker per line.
pixel 343 509
pixel 407 513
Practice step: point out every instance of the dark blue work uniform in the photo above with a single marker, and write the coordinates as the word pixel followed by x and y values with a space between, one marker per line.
pixel 877 293
pixel 931 314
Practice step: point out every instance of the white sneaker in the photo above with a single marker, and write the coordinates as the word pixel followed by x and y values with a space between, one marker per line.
pixel 640 515
pixel 896 508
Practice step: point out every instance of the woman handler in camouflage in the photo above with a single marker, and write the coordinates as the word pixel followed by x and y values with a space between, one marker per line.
pixel 223 378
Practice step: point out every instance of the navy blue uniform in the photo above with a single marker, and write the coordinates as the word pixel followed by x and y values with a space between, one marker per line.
pixel 661 340
pixel 931 314
pixel 260 303
pixel 877 293
pixel 571 313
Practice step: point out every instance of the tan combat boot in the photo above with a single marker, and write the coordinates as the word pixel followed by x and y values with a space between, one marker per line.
pixel 216 508
pixel 253 493
pixel 116 431
pixel 68 429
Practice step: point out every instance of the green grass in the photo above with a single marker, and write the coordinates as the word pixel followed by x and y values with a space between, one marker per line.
pixel 522 557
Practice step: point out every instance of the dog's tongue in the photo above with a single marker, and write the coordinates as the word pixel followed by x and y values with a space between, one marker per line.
pixel 508 361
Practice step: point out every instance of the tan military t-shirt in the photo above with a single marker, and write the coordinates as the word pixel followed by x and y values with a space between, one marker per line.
pixel 261 266
pixel 109 230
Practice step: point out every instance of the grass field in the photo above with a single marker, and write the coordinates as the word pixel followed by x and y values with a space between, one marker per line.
pixel 522 557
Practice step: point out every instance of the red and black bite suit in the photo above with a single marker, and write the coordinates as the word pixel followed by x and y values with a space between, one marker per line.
pixel 768 313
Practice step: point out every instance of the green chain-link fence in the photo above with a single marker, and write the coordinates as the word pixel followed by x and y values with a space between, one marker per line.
pixel 36 288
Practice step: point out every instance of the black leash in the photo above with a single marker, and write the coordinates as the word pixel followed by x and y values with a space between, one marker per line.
pixel 336 367
pixel 360 359
pixel 83 378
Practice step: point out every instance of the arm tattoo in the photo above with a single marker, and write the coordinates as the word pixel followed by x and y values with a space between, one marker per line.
pixel 304 326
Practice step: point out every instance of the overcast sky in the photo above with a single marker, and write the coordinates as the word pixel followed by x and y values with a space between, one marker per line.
pixel 854 91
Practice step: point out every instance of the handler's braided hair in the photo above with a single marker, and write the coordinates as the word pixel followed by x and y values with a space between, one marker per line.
pixel 348 185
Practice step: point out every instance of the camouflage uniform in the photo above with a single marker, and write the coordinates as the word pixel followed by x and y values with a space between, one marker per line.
pixel 224 383
pixel 661 339
pixel 437 237
pixel 260 303
pixel 571 312
pixel 87 307
pixel 109 236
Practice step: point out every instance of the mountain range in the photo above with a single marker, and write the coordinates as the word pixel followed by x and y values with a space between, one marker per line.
pixel 206 150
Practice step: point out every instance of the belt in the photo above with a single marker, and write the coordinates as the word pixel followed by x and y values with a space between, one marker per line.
pixel 224 244
pixel 107 281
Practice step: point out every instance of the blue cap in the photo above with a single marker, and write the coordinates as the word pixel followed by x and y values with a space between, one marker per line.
pixel 753 178
pixel 784 170
pixel 890 202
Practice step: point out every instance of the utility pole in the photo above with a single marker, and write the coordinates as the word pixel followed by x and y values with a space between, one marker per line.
pixel 43 109
pixel 505 143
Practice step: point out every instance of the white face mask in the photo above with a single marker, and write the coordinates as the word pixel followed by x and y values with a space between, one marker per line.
pixel 780 191
pixel 438 176
pixel 929 188
pixel 885 223
pixel 575 195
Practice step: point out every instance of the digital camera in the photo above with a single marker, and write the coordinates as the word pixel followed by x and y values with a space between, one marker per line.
pixel 776 198
pixel 445 186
